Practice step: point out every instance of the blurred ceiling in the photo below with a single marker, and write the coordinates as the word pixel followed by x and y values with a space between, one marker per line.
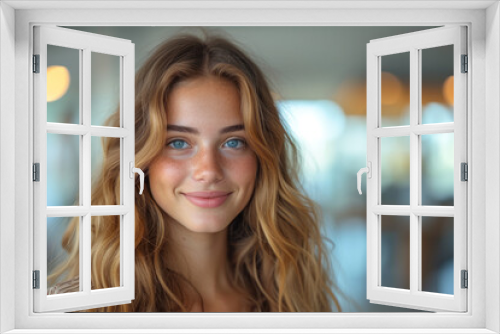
pixel 300 62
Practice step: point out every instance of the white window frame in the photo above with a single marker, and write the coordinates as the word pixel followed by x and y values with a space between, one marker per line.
pixel 16 216
pixel 413 44
pixel 85 44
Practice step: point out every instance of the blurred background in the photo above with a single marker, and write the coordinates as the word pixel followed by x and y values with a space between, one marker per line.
pixel 318 78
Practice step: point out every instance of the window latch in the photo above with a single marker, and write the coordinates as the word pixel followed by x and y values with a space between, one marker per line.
pixel 367 170
pixel 133 170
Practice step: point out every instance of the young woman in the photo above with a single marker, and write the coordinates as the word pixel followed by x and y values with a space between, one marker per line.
pixel 222 224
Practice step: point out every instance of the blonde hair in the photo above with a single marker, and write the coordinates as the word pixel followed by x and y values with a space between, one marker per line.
pixel 275 245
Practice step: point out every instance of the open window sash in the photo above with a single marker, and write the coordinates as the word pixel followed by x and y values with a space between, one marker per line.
pixel 415 297
pixel 84 44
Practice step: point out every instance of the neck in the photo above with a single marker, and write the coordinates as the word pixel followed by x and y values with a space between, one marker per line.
pixel 201 258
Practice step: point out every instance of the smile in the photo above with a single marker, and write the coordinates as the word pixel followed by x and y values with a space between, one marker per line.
pixel 207 202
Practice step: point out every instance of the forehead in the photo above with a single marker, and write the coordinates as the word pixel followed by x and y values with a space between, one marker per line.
pixel 204 101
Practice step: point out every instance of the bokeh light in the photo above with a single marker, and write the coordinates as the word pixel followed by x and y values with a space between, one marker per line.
pixel 315 124
pixel 392 88
pixel 58 80
pixel 448 90
pixel 436 113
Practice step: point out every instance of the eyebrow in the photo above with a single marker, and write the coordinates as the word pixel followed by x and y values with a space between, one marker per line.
pixel 187 129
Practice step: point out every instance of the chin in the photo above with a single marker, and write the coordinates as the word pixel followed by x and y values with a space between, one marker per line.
pixel 206 227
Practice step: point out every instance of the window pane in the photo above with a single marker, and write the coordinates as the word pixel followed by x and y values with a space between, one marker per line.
pixel 395 168
pixel 395 251
pixel 63 170
pixel 437 254
pixel 105 252
pixel 63 255
pixel 105 178
pixel 105 89
pixel 63 85
pixel 437 84
pixel 437 169
pixel 395 94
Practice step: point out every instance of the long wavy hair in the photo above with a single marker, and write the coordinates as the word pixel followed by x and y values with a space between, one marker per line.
pixel 276 251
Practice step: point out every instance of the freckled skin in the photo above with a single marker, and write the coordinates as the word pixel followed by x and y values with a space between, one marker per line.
pixel 208 161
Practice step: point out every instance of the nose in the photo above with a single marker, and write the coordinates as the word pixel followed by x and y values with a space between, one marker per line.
pixel 207 166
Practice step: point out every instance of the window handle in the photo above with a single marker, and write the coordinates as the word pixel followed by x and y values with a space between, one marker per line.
pixel 140 172
pixel 367 170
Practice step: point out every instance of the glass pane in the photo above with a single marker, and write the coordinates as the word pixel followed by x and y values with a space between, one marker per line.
pixel 437 254
pixel 396 251
pixel 437 169
pixel 395 170
pixel 395 91
pixel 63 259
pixel 63 170
pixel 437 84
pixel 105 89
pixel 108 178
pixel 105 252
pixel 63 85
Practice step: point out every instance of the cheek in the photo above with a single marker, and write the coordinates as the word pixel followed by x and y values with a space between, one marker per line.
pixel 244 171
pixel 165 174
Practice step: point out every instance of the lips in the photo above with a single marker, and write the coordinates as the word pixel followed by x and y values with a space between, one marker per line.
pixel 210 199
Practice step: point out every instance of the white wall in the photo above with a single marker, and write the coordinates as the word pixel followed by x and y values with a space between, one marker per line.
pixel 492 163
pixel 7 160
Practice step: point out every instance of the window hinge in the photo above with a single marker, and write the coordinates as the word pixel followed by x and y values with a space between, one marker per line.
pixel 36 63
pixel 36 279
pixel 464 171
pixel 465 279
pixel 465 64
pixel 36 172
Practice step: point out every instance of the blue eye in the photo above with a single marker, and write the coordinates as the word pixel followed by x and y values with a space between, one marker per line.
pixel 235 143
pixel 177 144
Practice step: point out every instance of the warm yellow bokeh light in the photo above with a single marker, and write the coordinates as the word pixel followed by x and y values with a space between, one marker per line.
pixel 391 89
pixel 57 82
pixel 351 96
pixel 448 90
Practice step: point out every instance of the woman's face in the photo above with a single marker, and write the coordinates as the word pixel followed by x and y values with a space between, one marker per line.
pixel 206 173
